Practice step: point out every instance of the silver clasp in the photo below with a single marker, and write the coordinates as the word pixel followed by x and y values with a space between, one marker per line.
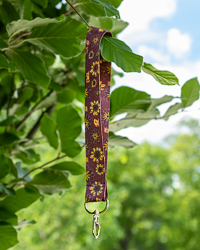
pixel 96 224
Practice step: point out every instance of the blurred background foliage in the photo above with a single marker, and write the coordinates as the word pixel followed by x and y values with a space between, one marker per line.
pixel 154 202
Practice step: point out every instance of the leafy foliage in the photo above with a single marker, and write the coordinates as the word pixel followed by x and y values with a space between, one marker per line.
pixel 42 62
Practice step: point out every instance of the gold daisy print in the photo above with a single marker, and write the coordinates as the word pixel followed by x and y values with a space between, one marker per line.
pixel 100 30
pixel 97 155
pixel 100 169
pixel 95 107
pixel 94 83
pixel 90 29
pixel 108 69
pixel 87 123
pixel 91 54
pixel 86 92
pixel 95 68
pixel 106 116
pixel 95 40
pixel 95 136
pixel 98 200
pixel 97 54
pixel 105 145
pixel 96 188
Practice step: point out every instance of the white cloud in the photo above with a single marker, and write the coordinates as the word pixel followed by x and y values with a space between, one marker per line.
pixel 140 13
pixel 156 55
pixel 178 44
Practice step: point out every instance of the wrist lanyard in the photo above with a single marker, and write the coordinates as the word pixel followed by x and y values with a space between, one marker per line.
pixel 97 109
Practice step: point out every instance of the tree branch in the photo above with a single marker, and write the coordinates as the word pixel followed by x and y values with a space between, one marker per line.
pixel 21 124
pixel 78 13
pixel 36 127
pixel 20 36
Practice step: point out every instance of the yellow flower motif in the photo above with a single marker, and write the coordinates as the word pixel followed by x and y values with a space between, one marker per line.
pixel 86 147
pixel 96 188
pixel 106 116
pixel 96 123
pixel 97 53
pixel 88 176
pixel 95 68
pixel 97 93
pixel 87 123
pixel 108 69
pixel 94 83
pixel 87 42
pixel 105 145
pixel 86 49
pixel 98 200
pixel 86 200
pixel 100 169
pixel 89 29
pixel 91 54
pixel 95 136
pixel 97 155
pixel 86 92
pixel 100 30
pixel 95 107
pixel 95 40
pixel 102 85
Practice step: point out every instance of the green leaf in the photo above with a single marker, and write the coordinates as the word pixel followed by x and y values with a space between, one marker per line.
pixel 125 99
pixel 60 38
pixel 31 67
pixel 190 92
pixel 69 166
pixel 7 12
pixel 25 95
pixel 50 182
pixel 109 9
pixel 7 121
pixel 117 140
pixel 8 236
pixel 3 44
pixel 8 217
pixel 42 3
pixel 24 223
pixel 69 123
pixel 3 62
pixel 172 110
pixel 70 147
pixel 4 167
pixel 115 3
pixel 48 101
pixel 118 26
pixel 66 96
pixel 26 7
pixel 48 129
pixel 7 139
pixel 105 23
pixel 24 25
pixel 21 172
pixel 160 101
pixel 162 76
pixel 69 127
pixel 8 191
pixel 23 198
pixel 28 156
pixel 114 50
pixel 137 119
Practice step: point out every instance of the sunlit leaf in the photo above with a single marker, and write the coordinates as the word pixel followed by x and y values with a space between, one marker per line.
pixel 162 76
pixel 114 50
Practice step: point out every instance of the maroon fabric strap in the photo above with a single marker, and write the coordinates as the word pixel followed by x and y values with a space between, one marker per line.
pixel 97 108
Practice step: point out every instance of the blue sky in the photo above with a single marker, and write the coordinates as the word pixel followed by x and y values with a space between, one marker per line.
pixel 166 33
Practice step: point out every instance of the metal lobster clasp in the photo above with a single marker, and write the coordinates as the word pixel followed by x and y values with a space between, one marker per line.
pixel 96 224
pixel 96 214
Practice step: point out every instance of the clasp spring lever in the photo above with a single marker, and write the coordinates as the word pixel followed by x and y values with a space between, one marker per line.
pixel 96 224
